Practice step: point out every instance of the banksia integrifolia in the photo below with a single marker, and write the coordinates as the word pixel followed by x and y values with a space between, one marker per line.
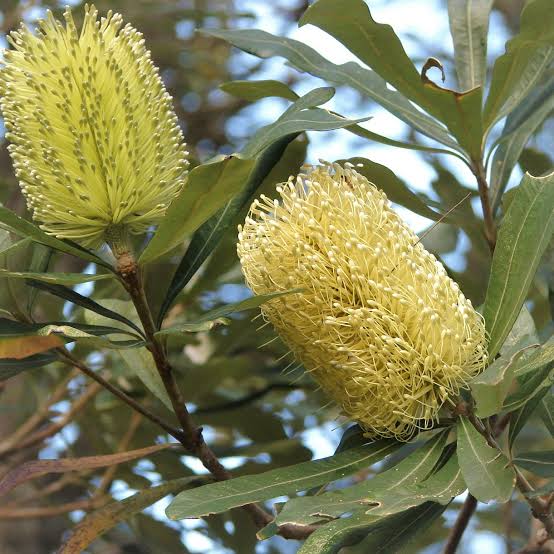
pixel 379 324
pixel 95 142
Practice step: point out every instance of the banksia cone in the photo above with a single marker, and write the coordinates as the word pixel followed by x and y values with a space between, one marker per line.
pixel 95 141
pixel 379 324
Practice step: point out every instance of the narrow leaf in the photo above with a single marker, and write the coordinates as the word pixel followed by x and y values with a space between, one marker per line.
pixel 524 235
pixel 529 385
pixel 22 347
pixel 256 90
pixel 469 26
pixel 208 188
pixel 521 67
pixel 485 469
pixel 368 82
pixel 98 522
pixel 489 389
pixel 539 463
pixel 19 226
pixel 546 412
pixel 378 46
pixel 11 367
pixel 412 470
pixel 520 125
pixel 208 235
pixel 36 468
pixel 217 315
pixel 520 417
pixel 383 535
pixel 222 496
pixel 70 295
pixel 68 279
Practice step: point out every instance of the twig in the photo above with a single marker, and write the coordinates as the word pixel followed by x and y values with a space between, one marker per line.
pixel 464 515
pixel 109 474
pixel 173 431
pixel 36 419
pixel 490 226
pixel 90 392
pixel 50 511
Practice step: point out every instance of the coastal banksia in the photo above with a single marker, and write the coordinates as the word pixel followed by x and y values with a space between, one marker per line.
pixel 378 324
pixel 94 140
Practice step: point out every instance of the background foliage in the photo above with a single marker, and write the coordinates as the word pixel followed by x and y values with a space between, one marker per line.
pixel 255 415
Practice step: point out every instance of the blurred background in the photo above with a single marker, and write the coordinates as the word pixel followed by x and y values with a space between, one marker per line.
pixel 254 415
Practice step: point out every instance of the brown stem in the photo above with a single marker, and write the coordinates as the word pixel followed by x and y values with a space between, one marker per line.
pixel 490 225
pixel 459 527
pixel 192 438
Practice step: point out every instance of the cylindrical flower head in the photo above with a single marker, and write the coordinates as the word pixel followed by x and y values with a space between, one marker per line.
pixel 379 324
pixel 94 139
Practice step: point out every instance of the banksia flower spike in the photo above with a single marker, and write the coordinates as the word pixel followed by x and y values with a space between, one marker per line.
pixel 379 324
pixel 94 139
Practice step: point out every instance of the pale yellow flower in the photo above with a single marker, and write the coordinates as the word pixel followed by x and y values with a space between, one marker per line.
pixel 95 140
pixel 380 325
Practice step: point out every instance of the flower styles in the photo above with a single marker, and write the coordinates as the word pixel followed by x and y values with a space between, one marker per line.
pixel 379 324
pixel 95 142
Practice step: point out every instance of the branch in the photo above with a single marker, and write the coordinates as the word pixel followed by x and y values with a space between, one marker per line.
pixel 459 527
pixel 490 225
pixel 191 438
pixel 36 419
pixel 173 431
pixel 91 391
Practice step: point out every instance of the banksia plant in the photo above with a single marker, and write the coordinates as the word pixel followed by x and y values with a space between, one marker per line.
pixel 95 142
pixel 378 324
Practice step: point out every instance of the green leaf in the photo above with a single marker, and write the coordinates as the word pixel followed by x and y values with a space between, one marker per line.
pixel 521 67
pixel 469 26
pixel 543 355
pixel 299 117
pixel 519 418
pixel 19 226
pixel 485 469
pixel 530 384
pixel 441 487
pixel 385 535
pixel 378 46
pixel 539 463
pixel 366 81
pixel 98 522
pixel 256 90
pixel 546 411
pixel 489 389
pixel 11 367
pixel 222 496
pixel 520 125
pixel 217 315
pixel 522 334
pixel 209 235
pixel 209 187
pixel 70 295
pixel 413 469
pixel 524 235
pixel 68 279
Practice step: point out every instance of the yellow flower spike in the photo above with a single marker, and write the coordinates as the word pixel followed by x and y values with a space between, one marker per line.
pixel 380 325
pixel 95 142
